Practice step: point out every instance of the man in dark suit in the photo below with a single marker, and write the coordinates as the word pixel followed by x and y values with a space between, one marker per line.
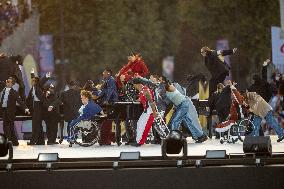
pixel 35 101
pixel 71 101
pixel 9 97
pixel 215 63
pixel 51 118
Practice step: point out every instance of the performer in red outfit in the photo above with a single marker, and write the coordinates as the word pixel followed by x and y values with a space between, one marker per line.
pixel 146 119
pixel 236 111
pixel 135 66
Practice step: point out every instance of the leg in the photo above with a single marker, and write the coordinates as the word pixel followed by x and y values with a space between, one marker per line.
pixel 193 116
pixel 256 122
pixel 48 129
pixel 212 85
pixel 272 123
pixel 144 125
pixel 37 131
pixel 130 128
pixel 9 128
pixel 117 131
pixel 51 128
pixel 177 118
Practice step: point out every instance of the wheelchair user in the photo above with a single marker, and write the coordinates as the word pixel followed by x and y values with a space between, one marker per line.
pixel 88 109
pixel 237 109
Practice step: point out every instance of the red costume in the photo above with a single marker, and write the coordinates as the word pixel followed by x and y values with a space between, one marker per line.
pixel 135 66
pixel 236 111
pixel 146 119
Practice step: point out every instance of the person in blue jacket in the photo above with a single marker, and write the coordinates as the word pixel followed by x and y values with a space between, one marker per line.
pixel 88 109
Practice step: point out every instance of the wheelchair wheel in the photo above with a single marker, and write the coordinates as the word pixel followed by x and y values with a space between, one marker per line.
pixel 86 133
pixel 161 129
pixel 245 126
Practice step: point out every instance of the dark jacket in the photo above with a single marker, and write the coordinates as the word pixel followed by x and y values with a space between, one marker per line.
pixel 109 90
pixel 71 101
pixel 215 65
pixel 11 104
pixel 261 87
pixel 54 114
pixel 39 91
pixel 224 102
pixel 212 102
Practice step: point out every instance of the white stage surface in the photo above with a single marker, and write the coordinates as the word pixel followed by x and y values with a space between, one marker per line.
pixel 23 151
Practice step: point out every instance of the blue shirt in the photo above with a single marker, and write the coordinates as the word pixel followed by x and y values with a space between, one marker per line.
pixel 90 110
pixel 109 90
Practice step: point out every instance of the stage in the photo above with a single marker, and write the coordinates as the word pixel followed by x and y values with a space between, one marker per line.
pixel 23 151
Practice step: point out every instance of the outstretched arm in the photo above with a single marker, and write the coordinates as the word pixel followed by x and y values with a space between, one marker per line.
pixel 226 52
pixel 151 102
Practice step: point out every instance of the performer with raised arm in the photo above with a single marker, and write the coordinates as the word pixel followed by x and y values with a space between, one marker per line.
pixel 35 101
pixel 135 66
pixel 215 63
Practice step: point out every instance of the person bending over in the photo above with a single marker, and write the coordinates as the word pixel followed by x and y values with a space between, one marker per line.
pixel 184 111
pixel 262 110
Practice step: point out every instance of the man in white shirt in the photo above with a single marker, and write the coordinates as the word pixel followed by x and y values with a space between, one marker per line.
pixel 35 101
pixel 9 98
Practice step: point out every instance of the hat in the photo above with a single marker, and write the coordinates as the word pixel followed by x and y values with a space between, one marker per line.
pixel 137 81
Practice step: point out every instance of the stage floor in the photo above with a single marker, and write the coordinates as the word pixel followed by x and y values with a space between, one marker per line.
pixel 23 151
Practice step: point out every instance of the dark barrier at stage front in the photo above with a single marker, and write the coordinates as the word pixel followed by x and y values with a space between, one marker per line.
pixel 158 178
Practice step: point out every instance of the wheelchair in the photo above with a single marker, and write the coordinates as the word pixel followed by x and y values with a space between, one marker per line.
pixel 237 130
pixel 160 127
pixel 85 133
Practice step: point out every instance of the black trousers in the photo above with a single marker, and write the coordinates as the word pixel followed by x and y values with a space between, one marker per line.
pixel 214 81
pixel 51 128
pixel 9 127
pixel 37 129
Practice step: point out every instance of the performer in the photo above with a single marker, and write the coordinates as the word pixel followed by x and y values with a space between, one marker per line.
pixel 213 106
pixel 35 101
pixel 109 90
pixel 215 63
pixel 71 101
pixel 184 111
pixel 146 119
pixel 52 117
pixel 236 109
pixel 135 66
pixel 262 110
pixel 9 98
pixel 88 109
pixel 108 95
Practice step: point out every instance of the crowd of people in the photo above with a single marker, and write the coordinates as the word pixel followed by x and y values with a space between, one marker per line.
pixel 157 95
pixel 11 16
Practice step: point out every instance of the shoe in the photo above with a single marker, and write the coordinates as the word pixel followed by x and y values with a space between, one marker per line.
pixel 280 139
pixel 51 143
pixel 105 144
pixel 135 144
pixel 129 142
pixel 31 143
pixel 40 143
pixel 201 139
pixel 156 142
